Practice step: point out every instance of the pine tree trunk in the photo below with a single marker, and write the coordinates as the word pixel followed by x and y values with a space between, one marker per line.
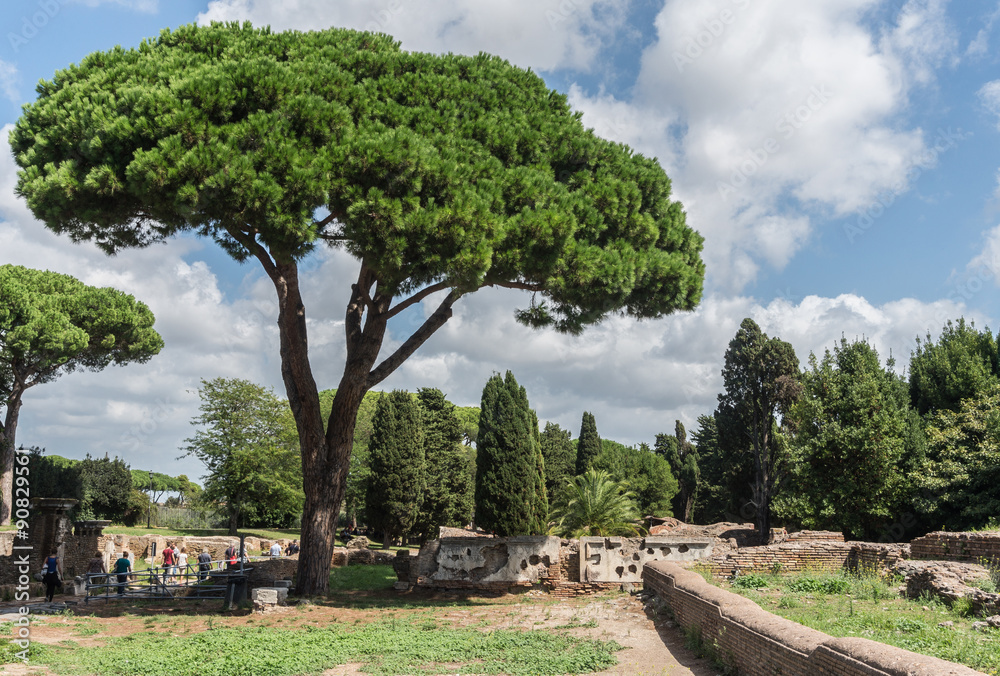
pixel 7 435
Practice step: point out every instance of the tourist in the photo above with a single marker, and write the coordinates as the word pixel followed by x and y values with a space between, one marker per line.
pixel 122 568
pixel 230 555
pixel 293 548
pixel 169 562
pixel 275 550
pixel 204 564
pixel 52 574
pixel 96 572
pixel 182 563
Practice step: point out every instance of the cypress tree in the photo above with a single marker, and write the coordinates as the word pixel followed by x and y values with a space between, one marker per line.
pixel 510 497
pixel 588 446
pixel 451 469
pixel 396 483
pixel 560 457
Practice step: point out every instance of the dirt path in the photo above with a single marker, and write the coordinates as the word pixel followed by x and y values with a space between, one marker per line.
pixel 653 645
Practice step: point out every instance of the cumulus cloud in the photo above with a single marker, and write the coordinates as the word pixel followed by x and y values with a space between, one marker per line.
pixel 8 80
pixel 542 36
pixel 980 45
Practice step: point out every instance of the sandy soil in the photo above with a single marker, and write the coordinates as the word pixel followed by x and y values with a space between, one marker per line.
pixel 653 645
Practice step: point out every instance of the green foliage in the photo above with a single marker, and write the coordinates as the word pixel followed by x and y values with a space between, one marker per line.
pixel 103 487
pixel 749 581
pixel 560 457
pixel 961 364
pixel 646 474
pixel 53 324
pixel 850 455
pixel 593 504
pixel 724 481
pixel 450 467
pixel 961 476
pixel 510 480
pixel 107 489
pixel 390 647
pixel 588 445
pixel 819 585
pixel 248 442
pixel 468 420
pixel 683 459
pixel 760 377
pixel 397 465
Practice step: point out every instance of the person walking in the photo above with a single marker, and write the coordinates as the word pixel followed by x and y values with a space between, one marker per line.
pixel 204 564
pixel 96 572
pixel 275 550
pixel 122 568
pixel 182 564
pixel 52 574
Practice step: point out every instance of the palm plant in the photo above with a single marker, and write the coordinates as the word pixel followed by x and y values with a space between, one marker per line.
pixel 593 504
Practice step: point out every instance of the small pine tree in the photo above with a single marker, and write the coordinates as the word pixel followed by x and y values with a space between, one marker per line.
pixel 509 468
pixel 588 446
pixel 396 483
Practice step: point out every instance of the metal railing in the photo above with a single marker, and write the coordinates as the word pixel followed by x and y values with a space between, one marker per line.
pixel 161 583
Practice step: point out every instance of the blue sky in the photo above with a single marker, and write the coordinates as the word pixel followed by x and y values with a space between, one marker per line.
pixel 840 158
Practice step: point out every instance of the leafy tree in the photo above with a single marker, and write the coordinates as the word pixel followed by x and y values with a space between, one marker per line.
pixel 724 480
pixel 560 457
pixel 508 460
pixel 849 449
pixel 398 470
pixel 440 174
pixel 588 445
pixel 247 441
pixel 107 489
pixel 646 474
pixel 450 467
pixel 683 459
pixel 50 325
pixel 760 377
pixel 961 364
pixel 53 476
pixel 468 419
pixel 593 504
pixel 960 479
pixel 161 483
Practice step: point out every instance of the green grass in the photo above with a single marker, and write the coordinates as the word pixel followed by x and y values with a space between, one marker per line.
pixel 391 647
pixel 841 604
pixel 362 578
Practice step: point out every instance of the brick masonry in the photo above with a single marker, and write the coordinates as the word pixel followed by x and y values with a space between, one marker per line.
pixel 758 643
pixel 980 547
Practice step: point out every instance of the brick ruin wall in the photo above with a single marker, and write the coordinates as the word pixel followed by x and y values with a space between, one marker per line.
pixel 758 643
pixel 980 547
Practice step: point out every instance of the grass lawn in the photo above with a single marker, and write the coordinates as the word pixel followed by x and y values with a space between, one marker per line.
pixel 361 622
pixel 841 604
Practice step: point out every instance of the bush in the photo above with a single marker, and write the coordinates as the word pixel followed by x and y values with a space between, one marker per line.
pixel 829 585
pixel 750 581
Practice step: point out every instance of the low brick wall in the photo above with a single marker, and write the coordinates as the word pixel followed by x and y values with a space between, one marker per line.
pixel 791 556
pixel 944 546
pixel 876 557
pixel 758 643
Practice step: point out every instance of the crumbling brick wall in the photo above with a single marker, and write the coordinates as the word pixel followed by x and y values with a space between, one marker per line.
pixel 758 643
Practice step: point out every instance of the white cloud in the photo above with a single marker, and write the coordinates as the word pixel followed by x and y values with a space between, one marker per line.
pixel 8 81
pixel 540 35
pixel 147 6
pixel 980 45
pixel 989 94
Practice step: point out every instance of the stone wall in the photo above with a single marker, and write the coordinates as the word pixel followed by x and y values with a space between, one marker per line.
pixel 943 546
pixel 620 559
pixel 758 643
pixel 487 563
pixel 876 557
